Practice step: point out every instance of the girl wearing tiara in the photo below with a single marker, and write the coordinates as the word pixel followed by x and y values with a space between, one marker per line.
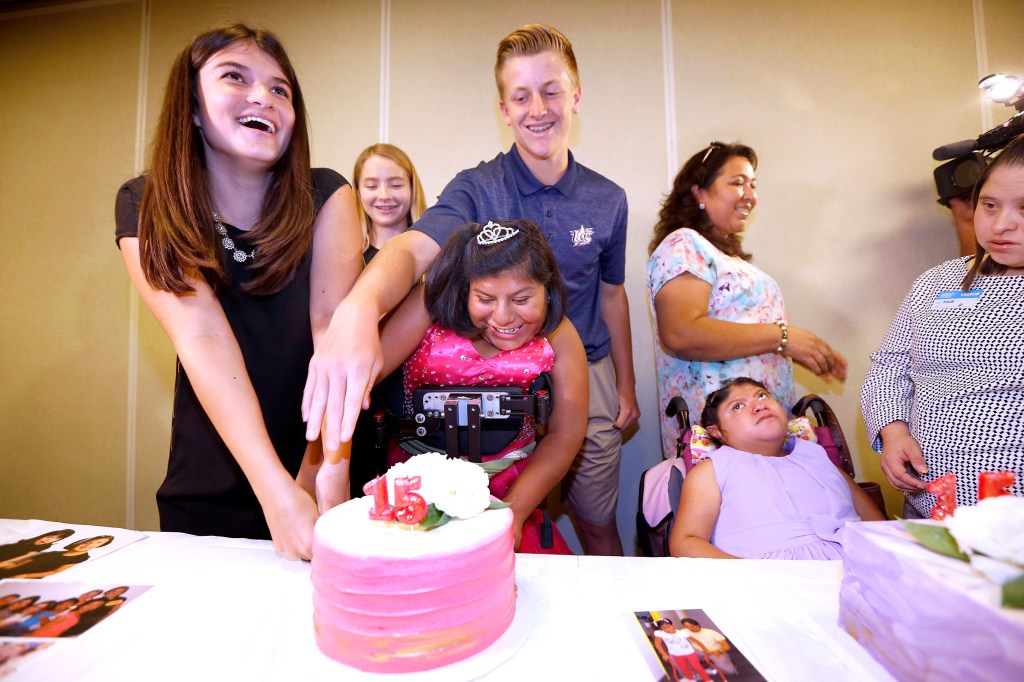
pixel 492 313
pixel 242 252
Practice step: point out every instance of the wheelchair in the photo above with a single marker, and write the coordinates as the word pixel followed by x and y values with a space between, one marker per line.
pixel 481 424
pixel 661 485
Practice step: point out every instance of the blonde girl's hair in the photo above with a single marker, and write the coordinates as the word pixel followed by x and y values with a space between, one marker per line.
pixel 388 151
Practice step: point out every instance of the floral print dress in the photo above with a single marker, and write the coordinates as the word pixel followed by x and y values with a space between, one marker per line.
pixel 740 292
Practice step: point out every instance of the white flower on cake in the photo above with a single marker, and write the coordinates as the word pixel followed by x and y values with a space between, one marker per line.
pixel 454 486
pixel 462 490
pixel 430 467
pixel 991 533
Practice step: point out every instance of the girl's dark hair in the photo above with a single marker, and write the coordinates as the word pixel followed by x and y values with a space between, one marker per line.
pixel 1013 156
pixel 462 259
pixel 62 533
pixel 682 209
pixel 109 539
pixel 709 416
pixel 177 240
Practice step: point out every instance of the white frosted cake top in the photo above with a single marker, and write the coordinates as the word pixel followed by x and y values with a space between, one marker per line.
pixel 348 529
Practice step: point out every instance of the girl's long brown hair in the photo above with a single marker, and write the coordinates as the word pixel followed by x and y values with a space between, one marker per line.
pixel 176 234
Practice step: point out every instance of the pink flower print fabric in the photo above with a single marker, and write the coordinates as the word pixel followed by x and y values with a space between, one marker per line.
pixel 740 292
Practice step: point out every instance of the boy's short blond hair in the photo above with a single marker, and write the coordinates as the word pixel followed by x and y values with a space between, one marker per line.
pixel 533 39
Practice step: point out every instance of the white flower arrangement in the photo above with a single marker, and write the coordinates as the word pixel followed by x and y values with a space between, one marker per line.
pixel 451 488
pixel 991 534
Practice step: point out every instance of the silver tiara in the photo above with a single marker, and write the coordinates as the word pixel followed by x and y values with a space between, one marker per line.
pixel 492 233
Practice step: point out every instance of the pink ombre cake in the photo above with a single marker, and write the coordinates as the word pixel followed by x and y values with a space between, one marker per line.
pixel 922 615
pixel 390 599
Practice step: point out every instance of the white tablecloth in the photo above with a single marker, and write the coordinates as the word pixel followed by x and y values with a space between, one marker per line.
pixel 231 609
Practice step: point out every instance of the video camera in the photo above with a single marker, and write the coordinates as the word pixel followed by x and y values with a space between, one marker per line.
pixel 968 159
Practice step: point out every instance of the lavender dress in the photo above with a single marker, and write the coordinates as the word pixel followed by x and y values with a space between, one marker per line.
pixel 790 507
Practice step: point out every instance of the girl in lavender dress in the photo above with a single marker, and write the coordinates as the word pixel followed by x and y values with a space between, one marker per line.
pixel 763 494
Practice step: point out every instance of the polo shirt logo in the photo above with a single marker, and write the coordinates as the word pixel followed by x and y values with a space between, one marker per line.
pixel 582 236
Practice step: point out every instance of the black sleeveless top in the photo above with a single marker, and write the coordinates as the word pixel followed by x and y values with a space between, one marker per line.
pixel 205 491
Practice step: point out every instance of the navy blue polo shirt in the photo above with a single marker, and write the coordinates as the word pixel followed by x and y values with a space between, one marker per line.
pixel 583 215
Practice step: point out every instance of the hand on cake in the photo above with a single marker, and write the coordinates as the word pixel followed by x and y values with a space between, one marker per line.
pixel 290 514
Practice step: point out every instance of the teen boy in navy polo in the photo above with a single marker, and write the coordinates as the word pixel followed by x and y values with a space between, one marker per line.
pixel 584 216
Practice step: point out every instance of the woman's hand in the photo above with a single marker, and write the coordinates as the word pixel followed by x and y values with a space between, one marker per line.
pixel 813 353
pixel 332 485
pixel 899 449
pixel 290 515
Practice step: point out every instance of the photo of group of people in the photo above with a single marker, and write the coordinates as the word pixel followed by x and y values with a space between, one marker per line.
pixel 689 646
pixel 45 549
pixel 34 610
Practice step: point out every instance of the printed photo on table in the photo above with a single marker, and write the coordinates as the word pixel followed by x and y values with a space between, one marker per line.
pixel 52 610
pixel 12 653
pixel 687 645
pixel 38 549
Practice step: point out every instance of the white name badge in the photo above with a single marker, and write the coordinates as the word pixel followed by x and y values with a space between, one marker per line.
pixel 947 300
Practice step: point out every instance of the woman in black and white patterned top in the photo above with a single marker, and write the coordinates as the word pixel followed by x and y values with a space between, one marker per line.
pixel 945 392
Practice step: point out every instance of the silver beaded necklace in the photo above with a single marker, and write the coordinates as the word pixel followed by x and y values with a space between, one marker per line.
pixel 239 255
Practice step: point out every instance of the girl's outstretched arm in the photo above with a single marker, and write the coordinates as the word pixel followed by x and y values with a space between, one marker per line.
pixel 210 354
pixel 699 506
pixel 567 426
pixel 403 331
pixel 336 263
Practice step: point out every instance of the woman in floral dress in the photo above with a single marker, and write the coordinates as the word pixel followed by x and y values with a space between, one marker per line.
pixel 717 316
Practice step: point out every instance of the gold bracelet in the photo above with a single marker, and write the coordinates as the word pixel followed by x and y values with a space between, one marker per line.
pixel 785 336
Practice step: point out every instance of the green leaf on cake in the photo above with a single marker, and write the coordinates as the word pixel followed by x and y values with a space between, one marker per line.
pixel 498 504
pixel 935 538
pixel 1013 593
pixel 434 518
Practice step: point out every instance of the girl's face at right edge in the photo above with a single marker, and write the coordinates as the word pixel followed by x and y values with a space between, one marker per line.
pixel 999 217
pixel 509 307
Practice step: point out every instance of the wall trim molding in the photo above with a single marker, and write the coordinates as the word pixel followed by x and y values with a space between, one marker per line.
pixel 383 129
pixel 669 76
pixel 981 50
pixel 132 416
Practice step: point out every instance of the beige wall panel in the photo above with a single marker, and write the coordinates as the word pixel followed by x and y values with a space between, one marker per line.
pixel 1003 23
pixel 844 104
pixel 335 49
pixel 67 133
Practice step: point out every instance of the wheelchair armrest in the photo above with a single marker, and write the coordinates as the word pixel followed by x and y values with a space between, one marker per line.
pixel 538 405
